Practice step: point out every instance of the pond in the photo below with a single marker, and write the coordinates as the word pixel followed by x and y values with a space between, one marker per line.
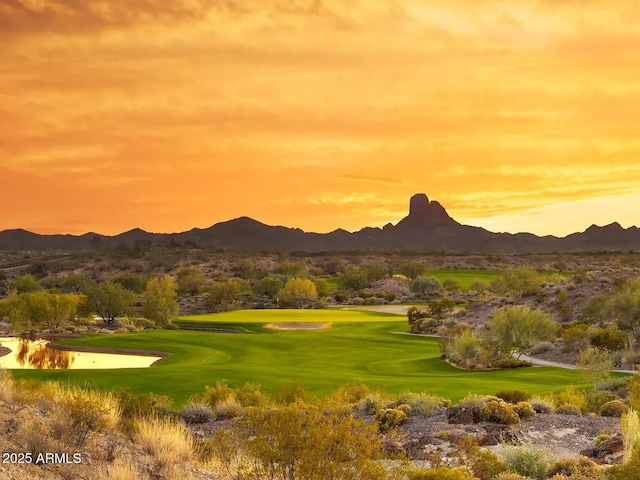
pixel 36 354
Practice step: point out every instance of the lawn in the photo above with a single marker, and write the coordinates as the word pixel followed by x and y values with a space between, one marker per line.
pixel 359 345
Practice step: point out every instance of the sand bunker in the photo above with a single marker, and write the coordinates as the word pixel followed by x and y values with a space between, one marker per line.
pixel 297 326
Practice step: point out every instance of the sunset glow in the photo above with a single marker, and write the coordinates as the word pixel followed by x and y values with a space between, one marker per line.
pixel 515 116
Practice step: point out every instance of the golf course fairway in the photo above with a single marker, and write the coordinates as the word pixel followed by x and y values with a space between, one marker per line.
pixel 354 345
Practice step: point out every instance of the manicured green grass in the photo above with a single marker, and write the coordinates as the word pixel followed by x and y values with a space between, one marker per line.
pixel 465 278
pixel 359 345
pixel 332 283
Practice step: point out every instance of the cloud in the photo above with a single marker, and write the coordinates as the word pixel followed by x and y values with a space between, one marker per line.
pixel 366 178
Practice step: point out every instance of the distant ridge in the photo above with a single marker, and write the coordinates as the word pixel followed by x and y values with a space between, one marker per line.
pixel 427 228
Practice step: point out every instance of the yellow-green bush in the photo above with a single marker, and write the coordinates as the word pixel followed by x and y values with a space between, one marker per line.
pixel 441 473
pixel 614 408
pixel 524 410
pixel 497 410
pixel 571 396
pixel 573 467
pixel 390 418
pixel 568 409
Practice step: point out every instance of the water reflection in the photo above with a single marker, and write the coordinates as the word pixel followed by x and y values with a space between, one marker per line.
pixel 34 354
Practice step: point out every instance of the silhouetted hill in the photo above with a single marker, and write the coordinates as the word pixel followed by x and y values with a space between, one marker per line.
pixel 427 228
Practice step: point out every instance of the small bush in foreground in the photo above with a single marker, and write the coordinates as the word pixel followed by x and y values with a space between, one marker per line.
pixel 524 410
pixel 541 405
pixel 526 460
pixel 422 404
pixel 442 473
pixel 615 408
pixel 513 396
pixel 196 413
pixel 390 418
pixel 567 409
pixel 572 467
pixel 169 442
pixel 499 411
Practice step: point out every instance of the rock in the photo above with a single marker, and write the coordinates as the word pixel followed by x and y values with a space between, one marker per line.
pixel 609 451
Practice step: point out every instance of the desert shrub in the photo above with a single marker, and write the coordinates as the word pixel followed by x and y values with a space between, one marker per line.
pixel 463 350
pixel 220 393
pixel 484 464
pixel 34 436
pixel 311 442
pixel 610 338
pixel 351 393
pixel 196 413
pixel 575 338
pixel 498 411
pixel 390 418
pixel 291 392
pixel 571 396
pixel 540 405
pixel 228 409
pixel 526 460
pixel 542 347
pixel 451 285
pixel 513 396
pixel 404 408
pixel 614 384
pixel 510 476
pixel 89 411
pixel 422 404
pixel 7 388
pixel 597 398
pixel 132 405
pixel 573 467
pixel 614 408
pixel 568 409
pixel 250 395
pixel 169 442
pixel 510 362
pixel 373 403
pixel 524 410
pixel 119 471
pixel 472 401
pixel 630 426
pixel 441 473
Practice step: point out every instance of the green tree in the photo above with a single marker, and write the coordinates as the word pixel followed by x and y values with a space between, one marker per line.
pixel 268 286
pixel 596 365
pixel 78 283
pixel 191 281
pixel 297 293
pixel 352 278
pixel 291 269
pixel 322 287
pixel 375 271
pixel 412 270
pixel 515 329
pixel 518 282
pixel 160 300
pixel 625 307
pixel 133 282
pixel 425 286
pixel 41 309
pixel 109 300
pixel 223 296
pixel 26 283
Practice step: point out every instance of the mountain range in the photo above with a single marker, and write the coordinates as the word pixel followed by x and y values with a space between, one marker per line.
pixel 427 228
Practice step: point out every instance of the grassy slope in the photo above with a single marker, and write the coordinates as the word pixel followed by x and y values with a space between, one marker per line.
pixel 358 346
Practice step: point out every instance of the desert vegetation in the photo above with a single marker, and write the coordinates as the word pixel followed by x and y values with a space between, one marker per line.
pixel 436 341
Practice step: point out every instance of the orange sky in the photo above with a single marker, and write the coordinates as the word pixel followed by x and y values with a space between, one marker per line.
pixel 516 115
